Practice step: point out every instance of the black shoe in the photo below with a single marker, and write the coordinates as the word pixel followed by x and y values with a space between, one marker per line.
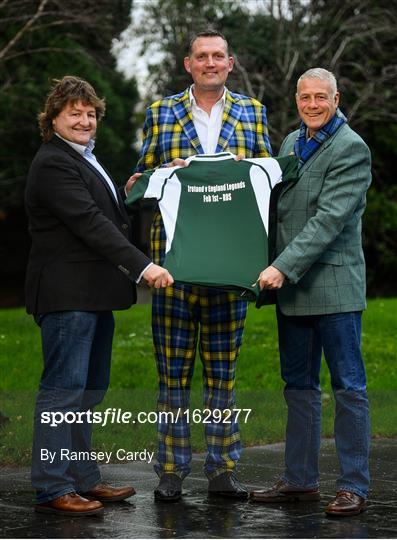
pixel 169 488
pixel 227 485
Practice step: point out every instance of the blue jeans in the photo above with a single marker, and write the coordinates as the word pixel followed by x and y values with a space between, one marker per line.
pixel 301 341
pixel 77 349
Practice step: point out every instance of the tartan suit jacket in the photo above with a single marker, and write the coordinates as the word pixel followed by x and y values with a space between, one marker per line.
pixel 169 131
pixel 319 245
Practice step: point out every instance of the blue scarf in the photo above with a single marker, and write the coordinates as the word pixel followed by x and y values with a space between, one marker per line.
pixel 304 149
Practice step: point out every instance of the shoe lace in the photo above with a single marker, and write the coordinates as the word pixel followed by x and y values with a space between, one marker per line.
pixel 73 495
pixel 343 494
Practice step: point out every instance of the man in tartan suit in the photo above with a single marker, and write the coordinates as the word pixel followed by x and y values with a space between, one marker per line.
pixel 206 118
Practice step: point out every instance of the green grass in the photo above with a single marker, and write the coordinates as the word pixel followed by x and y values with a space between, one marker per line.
pixel 134 380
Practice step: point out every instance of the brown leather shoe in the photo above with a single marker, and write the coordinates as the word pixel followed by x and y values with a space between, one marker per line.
pixel 106 493
pixel 70 504
pixel 283 492
pixel 345 503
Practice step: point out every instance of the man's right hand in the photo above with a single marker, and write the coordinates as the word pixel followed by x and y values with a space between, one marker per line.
pixel 157 277
pixel 271 278
pixel 178 162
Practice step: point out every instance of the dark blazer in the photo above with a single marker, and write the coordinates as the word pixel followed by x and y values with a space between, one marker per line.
pixel 82 257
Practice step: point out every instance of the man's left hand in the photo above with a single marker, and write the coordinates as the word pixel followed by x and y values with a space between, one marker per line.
pixel 131 181
pixel 271 278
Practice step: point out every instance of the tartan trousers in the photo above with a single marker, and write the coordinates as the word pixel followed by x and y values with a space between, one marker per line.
pixel 182 316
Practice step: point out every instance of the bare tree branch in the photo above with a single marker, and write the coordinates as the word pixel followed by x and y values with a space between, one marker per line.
pixel 24 29
pixel 292 66
pixel 43 49
pixel 241 69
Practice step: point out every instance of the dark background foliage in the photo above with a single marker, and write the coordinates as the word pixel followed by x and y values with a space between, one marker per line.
pixel 273 44
pixel 72 37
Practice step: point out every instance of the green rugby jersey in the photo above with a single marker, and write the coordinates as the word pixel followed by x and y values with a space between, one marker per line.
pixel 216 214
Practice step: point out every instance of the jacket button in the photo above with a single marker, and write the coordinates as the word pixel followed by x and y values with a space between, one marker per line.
pixel 123 269
pixel 124 226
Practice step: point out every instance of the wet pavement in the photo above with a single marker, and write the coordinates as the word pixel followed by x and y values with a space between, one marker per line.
pixel 198 516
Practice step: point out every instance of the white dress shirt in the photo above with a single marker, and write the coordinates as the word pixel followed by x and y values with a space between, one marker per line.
pixel 86 152
pixel 208 127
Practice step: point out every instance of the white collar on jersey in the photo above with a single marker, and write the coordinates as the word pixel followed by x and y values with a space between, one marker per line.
pixel 211 157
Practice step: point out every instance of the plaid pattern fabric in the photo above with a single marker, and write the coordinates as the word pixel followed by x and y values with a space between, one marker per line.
pixel 178 312
pixel 305 148
pixel 169 131
pixel 319 246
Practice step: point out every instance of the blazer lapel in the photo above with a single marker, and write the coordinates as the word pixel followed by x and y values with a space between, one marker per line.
pixel 59 142
pixel 117 189
pixel 231 115
pixel 183 114
pixel 310 161
pixel 321 150
pixel 119 203
pixel 313 158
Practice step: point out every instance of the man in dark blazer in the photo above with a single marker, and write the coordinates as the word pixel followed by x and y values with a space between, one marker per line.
pixel 318 273
pixel 82 266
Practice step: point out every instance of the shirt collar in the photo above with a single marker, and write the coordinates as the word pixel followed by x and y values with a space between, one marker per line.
pixel 193 101
pixel 80 148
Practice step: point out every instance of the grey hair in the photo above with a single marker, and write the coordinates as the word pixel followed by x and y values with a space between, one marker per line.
pixel 321 74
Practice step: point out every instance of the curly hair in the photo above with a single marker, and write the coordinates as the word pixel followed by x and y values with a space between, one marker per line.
pixel 67 90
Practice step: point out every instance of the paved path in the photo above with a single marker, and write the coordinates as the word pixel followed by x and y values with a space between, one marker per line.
pixel 198 516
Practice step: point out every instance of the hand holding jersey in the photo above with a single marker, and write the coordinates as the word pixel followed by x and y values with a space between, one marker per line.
pixel 199 200
pixel 81 240
pixel 271 278
pixel 157 276
pixel 131 181
pixel 206 118
pixel 319 304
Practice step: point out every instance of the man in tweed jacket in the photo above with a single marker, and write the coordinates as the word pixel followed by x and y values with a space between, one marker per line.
pixel 318 274
pixel 206 118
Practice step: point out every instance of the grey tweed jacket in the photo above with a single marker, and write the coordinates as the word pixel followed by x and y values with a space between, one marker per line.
pixel 319 245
